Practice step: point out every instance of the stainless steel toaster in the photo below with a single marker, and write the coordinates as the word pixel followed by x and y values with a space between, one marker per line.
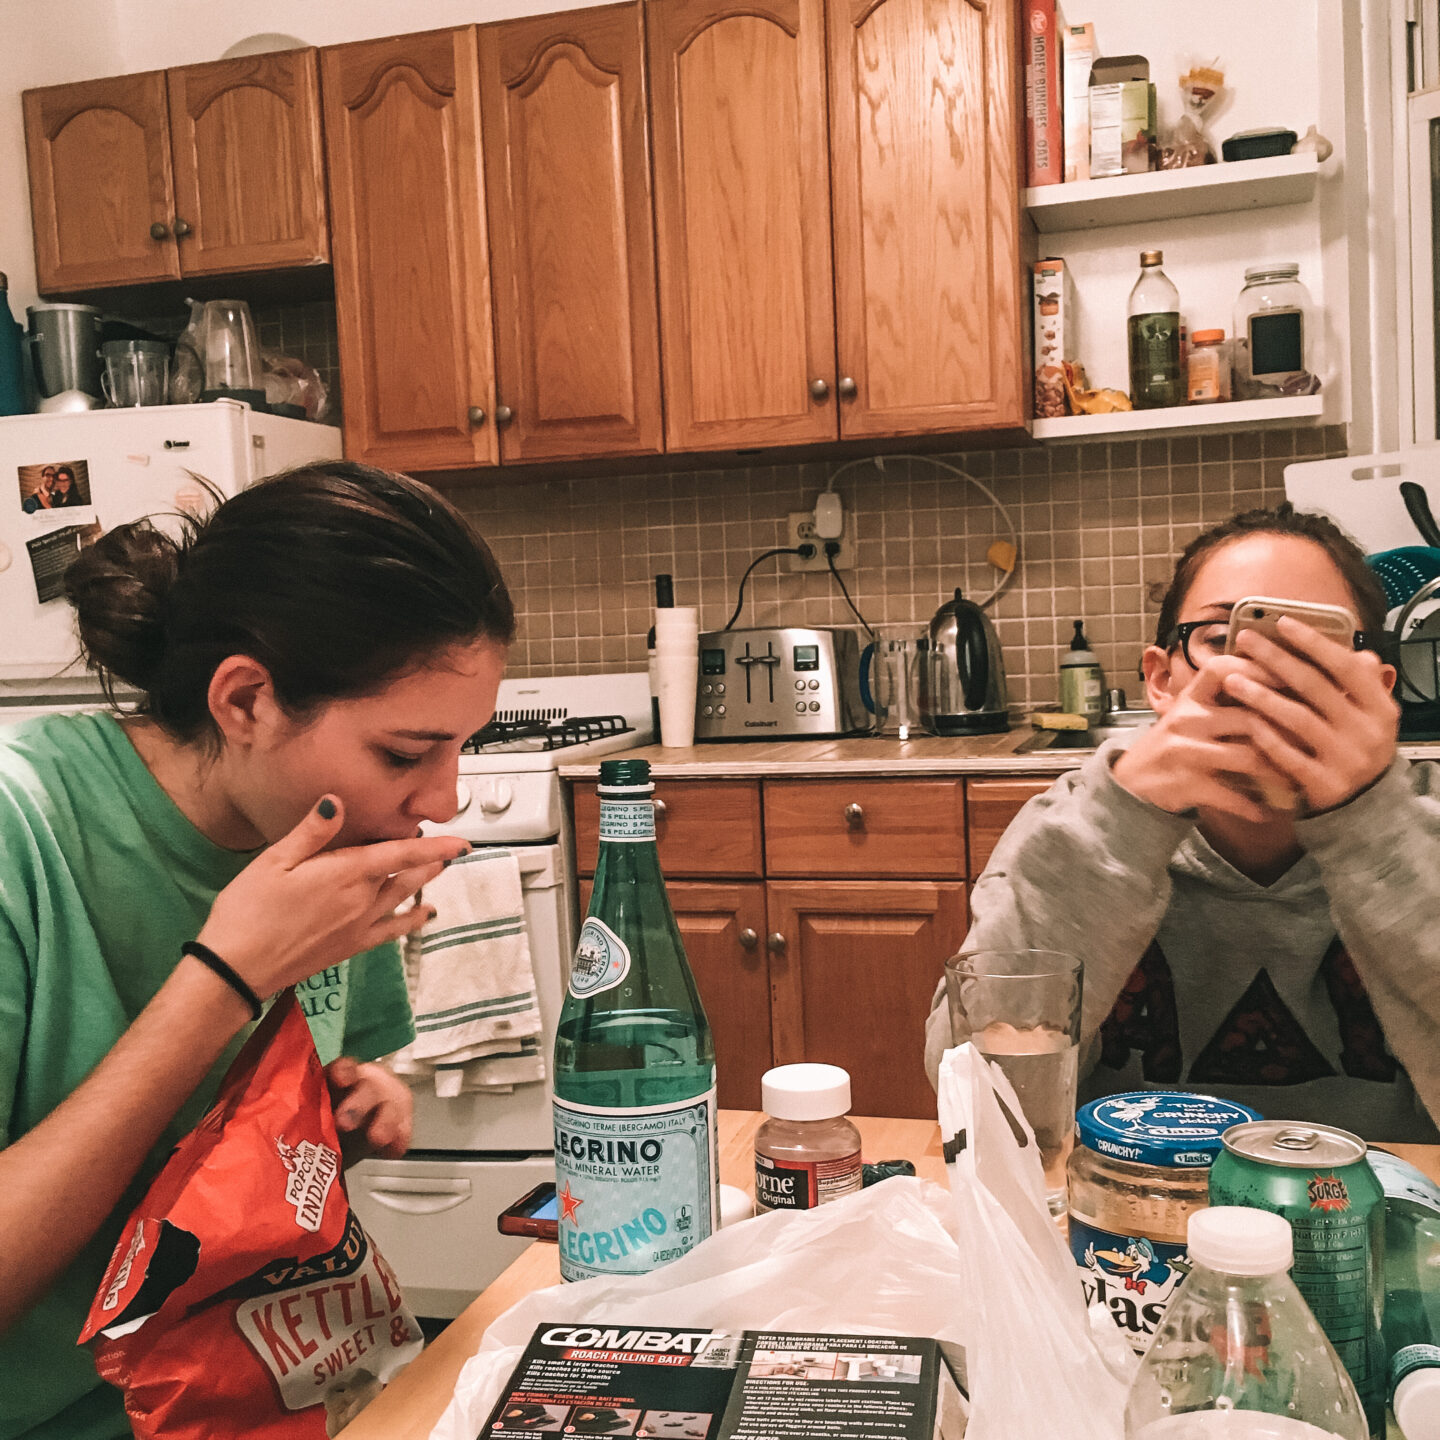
pixel 779 684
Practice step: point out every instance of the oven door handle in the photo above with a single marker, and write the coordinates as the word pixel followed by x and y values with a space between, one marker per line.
pixel 420 1197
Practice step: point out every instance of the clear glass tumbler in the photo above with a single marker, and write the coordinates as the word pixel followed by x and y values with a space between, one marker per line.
pixel 1021 1011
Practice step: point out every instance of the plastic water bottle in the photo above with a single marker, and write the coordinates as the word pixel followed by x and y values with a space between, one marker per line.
pixel 12 373
pixel 1412 1294
pixel 1239 1356
pixel 635 1140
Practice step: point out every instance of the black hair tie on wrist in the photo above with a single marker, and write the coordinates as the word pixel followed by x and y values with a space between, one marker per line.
pixel 232 977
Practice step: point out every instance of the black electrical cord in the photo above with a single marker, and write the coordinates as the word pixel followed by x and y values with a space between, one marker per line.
pixel 805 551
pixel 832 549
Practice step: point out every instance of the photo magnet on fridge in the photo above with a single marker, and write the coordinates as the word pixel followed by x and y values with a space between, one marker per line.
pixel 58 485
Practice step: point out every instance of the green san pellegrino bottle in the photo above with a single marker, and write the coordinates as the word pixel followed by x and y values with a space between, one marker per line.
pixel 635 1139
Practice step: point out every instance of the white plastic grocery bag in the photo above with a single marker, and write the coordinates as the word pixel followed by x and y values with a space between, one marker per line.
pixel 883 1261
pixel 1039 1365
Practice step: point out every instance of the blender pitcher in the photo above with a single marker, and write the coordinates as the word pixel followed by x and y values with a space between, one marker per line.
pixel 232 354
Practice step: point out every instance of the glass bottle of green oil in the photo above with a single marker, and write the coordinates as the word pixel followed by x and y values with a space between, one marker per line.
pixel 635 1138
pixel 1154 326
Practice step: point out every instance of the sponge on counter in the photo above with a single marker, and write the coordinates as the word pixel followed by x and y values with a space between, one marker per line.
pixel 1058 720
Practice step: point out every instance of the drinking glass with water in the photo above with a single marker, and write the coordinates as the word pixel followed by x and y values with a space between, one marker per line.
pixel 1021 1011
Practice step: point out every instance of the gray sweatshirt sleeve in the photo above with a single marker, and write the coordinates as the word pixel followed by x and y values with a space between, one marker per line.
pixel 1379 856
pixel 1082 868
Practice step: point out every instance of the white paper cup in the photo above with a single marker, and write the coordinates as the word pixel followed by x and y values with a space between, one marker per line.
pixel 676 677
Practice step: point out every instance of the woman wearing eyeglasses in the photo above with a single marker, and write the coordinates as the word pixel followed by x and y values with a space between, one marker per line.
pixel 1253 882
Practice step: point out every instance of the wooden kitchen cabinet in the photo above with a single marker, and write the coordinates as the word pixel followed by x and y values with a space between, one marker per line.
pixel 203 170
pixel 572 254
pixel 704 829
pixel 852 968
pixel 990 807
pixel 925 157
pixel 102 197
pixel 248 164
pixel 411 258
pixel 743 222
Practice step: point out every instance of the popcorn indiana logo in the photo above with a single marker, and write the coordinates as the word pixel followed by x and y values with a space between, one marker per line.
pixel 1328 1192
pixel 313 1169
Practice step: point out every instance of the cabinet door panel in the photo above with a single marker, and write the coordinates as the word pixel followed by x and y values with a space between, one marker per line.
pixel 249 178
pixel 990 806
pixel 852 982
pixel 904 828
pixel 702 828
pixel 99 158
pixel 573 244
pixel 742 211
pixel 926 202
pixel 412 279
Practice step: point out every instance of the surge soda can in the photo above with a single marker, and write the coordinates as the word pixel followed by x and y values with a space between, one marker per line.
pixel 1318 1178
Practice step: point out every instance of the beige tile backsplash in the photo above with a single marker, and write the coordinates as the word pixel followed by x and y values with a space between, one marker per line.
pixel 1100 526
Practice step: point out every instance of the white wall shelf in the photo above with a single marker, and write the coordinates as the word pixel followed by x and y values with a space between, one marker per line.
pixel 1183 419
pixel 1174 194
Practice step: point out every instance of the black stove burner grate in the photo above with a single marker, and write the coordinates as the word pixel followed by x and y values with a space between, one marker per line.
pixel 554 734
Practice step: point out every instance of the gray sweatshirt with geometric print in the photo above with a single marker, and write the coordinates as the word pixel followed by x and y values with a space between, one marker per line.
pixel 1314 998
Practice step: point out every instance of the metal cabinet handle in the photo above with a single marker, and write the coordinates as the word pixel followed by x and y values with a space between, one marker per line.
pixel 182 228
pixel 775 942
pixel 503 414
pixel 854 816
pixel 819 389
pixel 748 939
pixel 159 231
pixel 661 809
pixel 847 387
pixel 476 414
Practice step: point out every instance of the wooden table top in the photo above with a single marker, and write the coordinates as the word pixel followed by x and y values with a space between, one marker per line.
pixel 409 1408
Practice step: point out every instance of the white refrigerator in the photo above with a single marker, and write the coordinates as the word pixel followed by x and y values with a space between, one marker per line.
pixel 65 479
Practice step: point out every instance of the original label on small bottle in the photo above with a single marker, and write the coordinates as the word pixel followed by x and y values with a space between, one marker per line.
pixel 602 959
pixel 636 1188
pixel 1131 1276
pixel 804 1184
pixel 627 822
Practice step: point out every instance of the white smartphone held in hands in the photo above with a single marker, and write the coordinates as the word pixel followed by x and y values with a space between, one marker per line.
pixel 1260 612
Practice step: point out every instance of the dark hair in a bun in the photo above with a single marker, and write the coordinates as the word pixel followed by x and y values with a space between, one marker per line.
pixel 336 577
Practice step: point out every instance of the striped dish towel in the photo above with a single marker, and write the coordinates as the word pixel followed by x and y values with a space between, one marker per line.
pixel 472 988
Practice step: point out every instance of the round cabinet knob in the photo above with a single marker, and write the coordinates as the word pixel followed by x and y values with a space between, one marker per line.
pixel 748 939
pixel 819 389
pixel 854 816
pixel 159 231
pixel 775 942
pixel 496 796
pixel 661 810
pixel 847 387
pixel 476 415
pixel 503 414
pixel 182 228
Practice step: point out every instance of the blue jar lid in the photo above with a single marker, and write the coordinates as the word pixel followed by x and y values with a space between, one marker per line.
pixel 1159 1127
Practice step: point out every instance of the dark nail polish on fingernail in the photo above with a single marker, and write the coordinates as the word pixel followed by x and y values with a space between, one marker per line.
pixel 326 808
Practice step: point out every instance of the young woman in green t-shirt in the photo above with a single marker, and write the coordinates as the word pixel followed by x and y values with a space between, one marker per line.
pixel 309 661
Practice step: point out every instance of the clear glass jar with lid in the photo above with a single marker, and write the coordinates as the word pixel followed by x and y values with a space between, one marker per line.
pixel 807 1152
pixel 1278 340
pixel 1140 1168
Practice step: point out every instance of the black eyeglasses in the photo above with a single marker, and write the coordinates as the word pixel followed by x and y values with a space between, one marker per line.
pixel 1204 638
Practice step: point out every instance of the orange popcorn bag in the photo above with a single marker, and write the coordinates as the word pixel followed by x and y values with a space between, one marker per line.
pixel 244 1298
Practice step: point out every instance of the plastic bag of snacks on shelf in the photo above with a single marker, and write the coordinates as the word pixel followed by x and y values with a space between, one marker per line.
pixel 244 1298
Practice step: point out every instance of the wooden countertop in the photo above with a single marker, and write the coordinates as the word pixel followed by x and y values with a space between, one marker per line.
pixel 866 755
pixel 410 1406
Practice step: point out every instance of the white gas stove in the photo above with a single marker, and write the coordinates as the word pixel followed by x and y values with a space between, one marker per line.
pixel 509 783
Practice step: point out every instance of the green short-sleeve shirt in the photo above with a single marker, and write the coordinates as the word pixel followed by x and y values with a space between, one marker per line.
pixel 102 879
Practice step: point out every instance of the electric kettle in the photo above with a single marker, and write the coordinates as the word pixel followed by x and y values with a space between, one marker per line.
pixel 962 675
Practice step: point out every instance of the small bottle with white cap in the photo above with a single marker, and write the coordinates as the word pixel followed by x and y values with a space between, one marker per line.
pixel 807 1152
pixel 1239 1353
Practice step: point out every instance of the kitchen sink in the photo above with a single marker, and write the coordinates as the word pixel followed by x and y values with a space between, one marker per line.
pixel 1090 739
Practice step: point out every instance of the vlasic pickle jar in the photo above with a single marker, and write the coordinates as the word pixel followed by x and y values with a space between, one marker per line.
pixel 1139 1170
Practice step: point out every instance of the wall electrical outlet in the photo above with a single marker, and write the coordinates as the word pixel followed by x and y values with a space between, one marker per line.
pixel 802 531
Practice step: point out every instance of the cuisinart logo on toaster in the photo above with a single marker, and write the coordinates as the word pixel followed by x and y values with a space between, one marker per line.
pixel 761 724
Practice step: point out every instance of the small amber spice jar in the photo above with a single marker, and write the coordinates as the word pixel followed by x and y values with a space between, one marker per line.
pixel 807 1152
pixel 1140 1168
